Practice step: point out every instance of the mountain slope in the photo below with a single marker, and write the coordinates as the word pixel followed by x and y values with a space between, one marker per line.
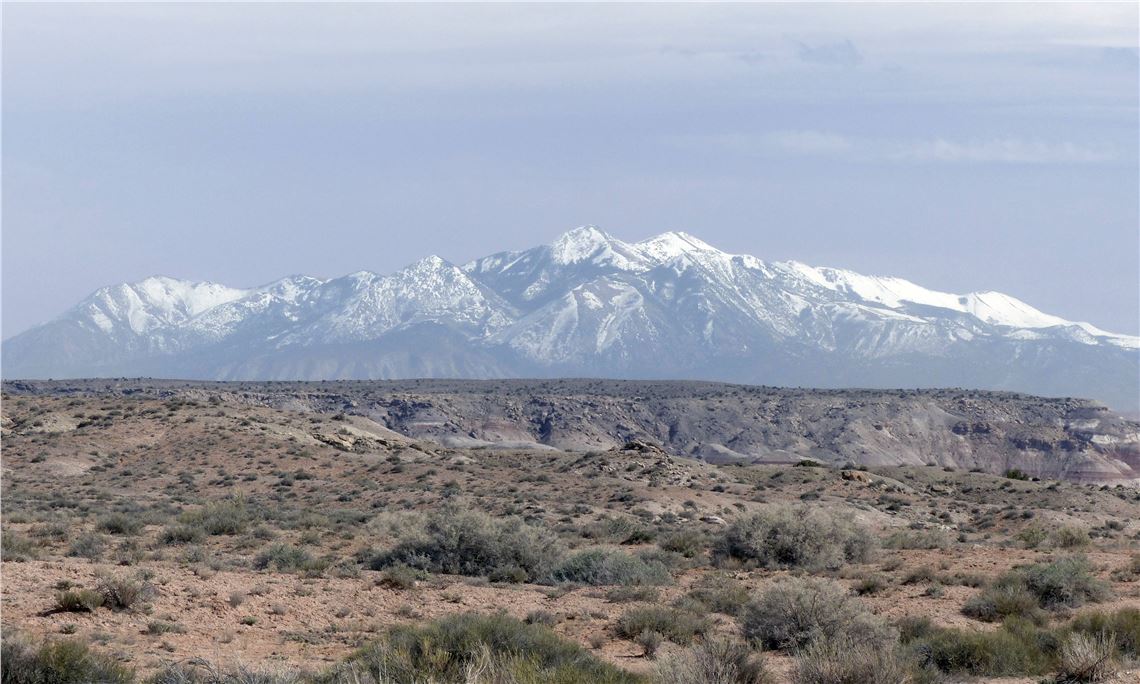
pixel 588 303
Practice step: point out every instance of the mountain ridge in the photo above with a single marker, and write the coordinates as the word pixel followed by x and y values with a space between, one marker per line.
pixel 585 304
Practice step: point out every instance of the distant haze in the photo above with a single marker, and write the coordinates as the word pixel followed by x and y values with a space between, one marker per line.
pixel 962 146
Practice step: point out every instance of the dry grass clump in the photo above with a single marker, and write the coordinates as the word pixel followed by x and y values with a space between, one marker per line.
pixel 458 541
pixel 716 661
pixel 847 661
pixel 609 567
pixel 1064 583
pixel 801 538
pixel 123 593
pixel 79 600
pixel 1087 658
pixel 57 662
pixel 1122 624
pixel 288 558
pixel 800 611
pixel 675 624
pixel 720 594
pixel 474 647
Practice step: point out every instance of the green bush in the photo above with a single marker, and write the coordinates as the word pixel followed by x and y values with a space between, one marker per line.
pixel 1070 538
pixel 799 611
pixel 198 671
pixel 288 558
pixel 57 662
pixel 120 523
pixel 79 600
pixel 1067 582
pixel 716 661
pixel 1007 597
pixel 1064 583
pixel 15 547
pixel 1124 624
pixel 688 543
pixel 400 577
pixel 1032 536
pixel 89 546
pixel 501 648
pixel 801 538
pixel 842 661
pixel 631 594
pixel 919 539
pixel 1018 648
pixel 720 594
pixel 123 593
pixel 182 534
pixel 230 516
pixel 675 624
pixel 458 541
pixel 608 567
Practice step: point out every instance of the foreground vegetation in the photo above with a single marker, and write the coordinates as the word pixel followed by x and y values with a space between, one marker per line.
pixel 385 561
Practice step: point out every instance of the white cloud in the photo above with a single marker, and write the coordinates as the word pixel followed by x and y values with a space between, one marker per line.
pixel 1002 150
pixel 1007 150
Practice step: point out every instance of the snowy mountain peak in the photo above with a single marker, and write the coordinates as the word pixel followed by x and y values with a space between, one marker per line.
pixel 586 304
pixel 580 244
pixel 673 244
pixel 429 264
pixel 171 294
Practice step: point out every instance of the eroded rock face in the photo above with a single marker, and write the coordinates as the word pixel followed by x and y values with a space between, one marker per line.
pixel 1048 438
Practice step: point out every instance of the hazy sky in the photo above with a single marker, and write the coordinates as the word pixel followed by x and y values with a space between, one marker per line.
pixel 962 146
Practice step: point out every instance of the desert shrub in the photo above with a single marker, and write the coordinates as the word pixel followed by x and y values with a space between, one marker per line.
pixel 675 624
pixel 688 543
pixel 160 627
pixel 400 577
pixel 200 671
pixel 541 617
pixel 649 641
pixel 1007 597
pixel 804 538
pixel 1067 582
pixel 1123 624
pixel 182 534
pixel 15 547
pixel 799 611
pixel 89 546
pixel 57 662
pixel 606 567
pixel 230 516
pixel 1064 583
pixel 79 600
pixel 871 584
pixel 288 558
pixel 843 661
pixel 1033 536
pixel 720 594
pixel 919 539
pixel 1085 658
pixel 671 560
pixel 476 647
pixel 119 523
pixel 631 594
pixel 458 541
pixel 1070 538
pixel 716 661
pixel 123 593
pixel 1017 648
pixel 619 530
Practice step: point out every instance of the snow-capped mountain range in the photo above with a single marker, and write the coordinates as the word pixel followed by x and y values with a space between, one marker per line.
pixel 587 304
